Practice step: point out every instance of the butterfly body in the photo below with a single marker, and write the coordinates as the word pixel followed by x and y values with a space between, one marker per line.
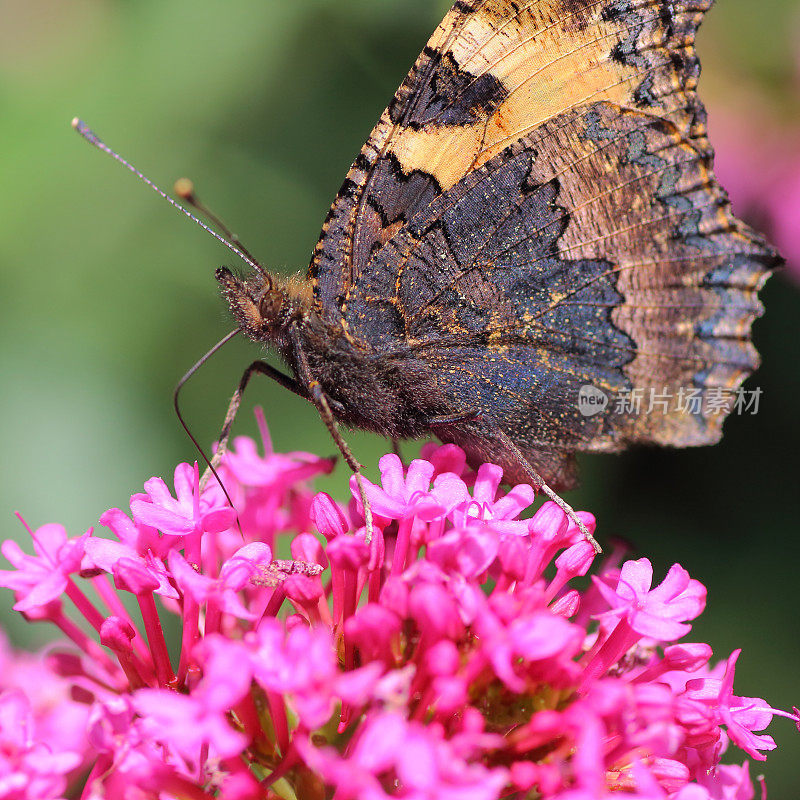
pixel 534 213
pixel 392 394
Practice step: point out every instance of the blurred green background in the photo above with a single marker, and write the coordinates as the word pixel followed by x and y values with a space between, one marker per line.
pixel 108 295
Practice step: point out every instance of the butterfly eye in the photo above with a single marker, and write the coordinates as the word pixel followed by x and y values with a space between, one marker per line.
pixel 271 304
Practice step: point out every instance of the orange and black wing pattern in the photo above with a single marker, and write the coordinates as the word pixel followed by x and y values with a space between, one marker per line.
pixel 536 213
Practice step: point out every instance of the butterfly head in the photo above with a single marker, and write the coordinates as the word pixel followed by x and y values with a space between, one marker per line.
pixel 260 305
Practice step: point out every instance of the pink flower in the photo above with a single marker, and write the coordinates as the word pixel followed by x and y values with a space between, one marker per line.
pixel 312 683
pixel 40 579
pixel 29 770
pixel 186 724
pixel 276 471
pixel 393 751
pixel 330 520
pixel 222 592
pixel 403 494
pixel 659 613
pixel 468 552
pixel 456 655
pixel 43 740
pixel 740 715
pixel 484 504
pixel 187 512
pixel 191 723
pixel 729 782
pixel 637 611
pixel 136 536
pixel 120 560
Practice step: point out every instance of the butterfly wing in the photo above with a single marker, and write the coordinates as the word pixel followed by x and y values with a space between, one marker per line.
pixel 536 213
pixel 491 73
pixel 598 252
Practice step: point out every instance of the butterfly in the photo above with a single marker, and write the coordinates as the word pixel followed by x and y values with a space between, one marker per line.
pixel 534 213
pixel 531 235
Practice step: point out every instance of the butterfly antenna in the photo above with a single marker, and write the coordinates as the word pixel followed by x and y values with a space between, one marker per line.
pixel 175 402
pixel 184 188
pixel 231 243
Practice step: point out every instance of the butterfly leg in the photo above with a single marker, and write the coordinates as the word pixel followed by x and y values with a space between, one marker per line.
pixel 506 447
pixel 317 396
pixel 538 483
pixel 257 367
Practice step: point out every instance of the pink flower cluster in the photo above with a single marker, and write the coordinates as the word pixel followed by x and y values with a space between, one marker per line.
pixel 461 654
pixel 43 717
